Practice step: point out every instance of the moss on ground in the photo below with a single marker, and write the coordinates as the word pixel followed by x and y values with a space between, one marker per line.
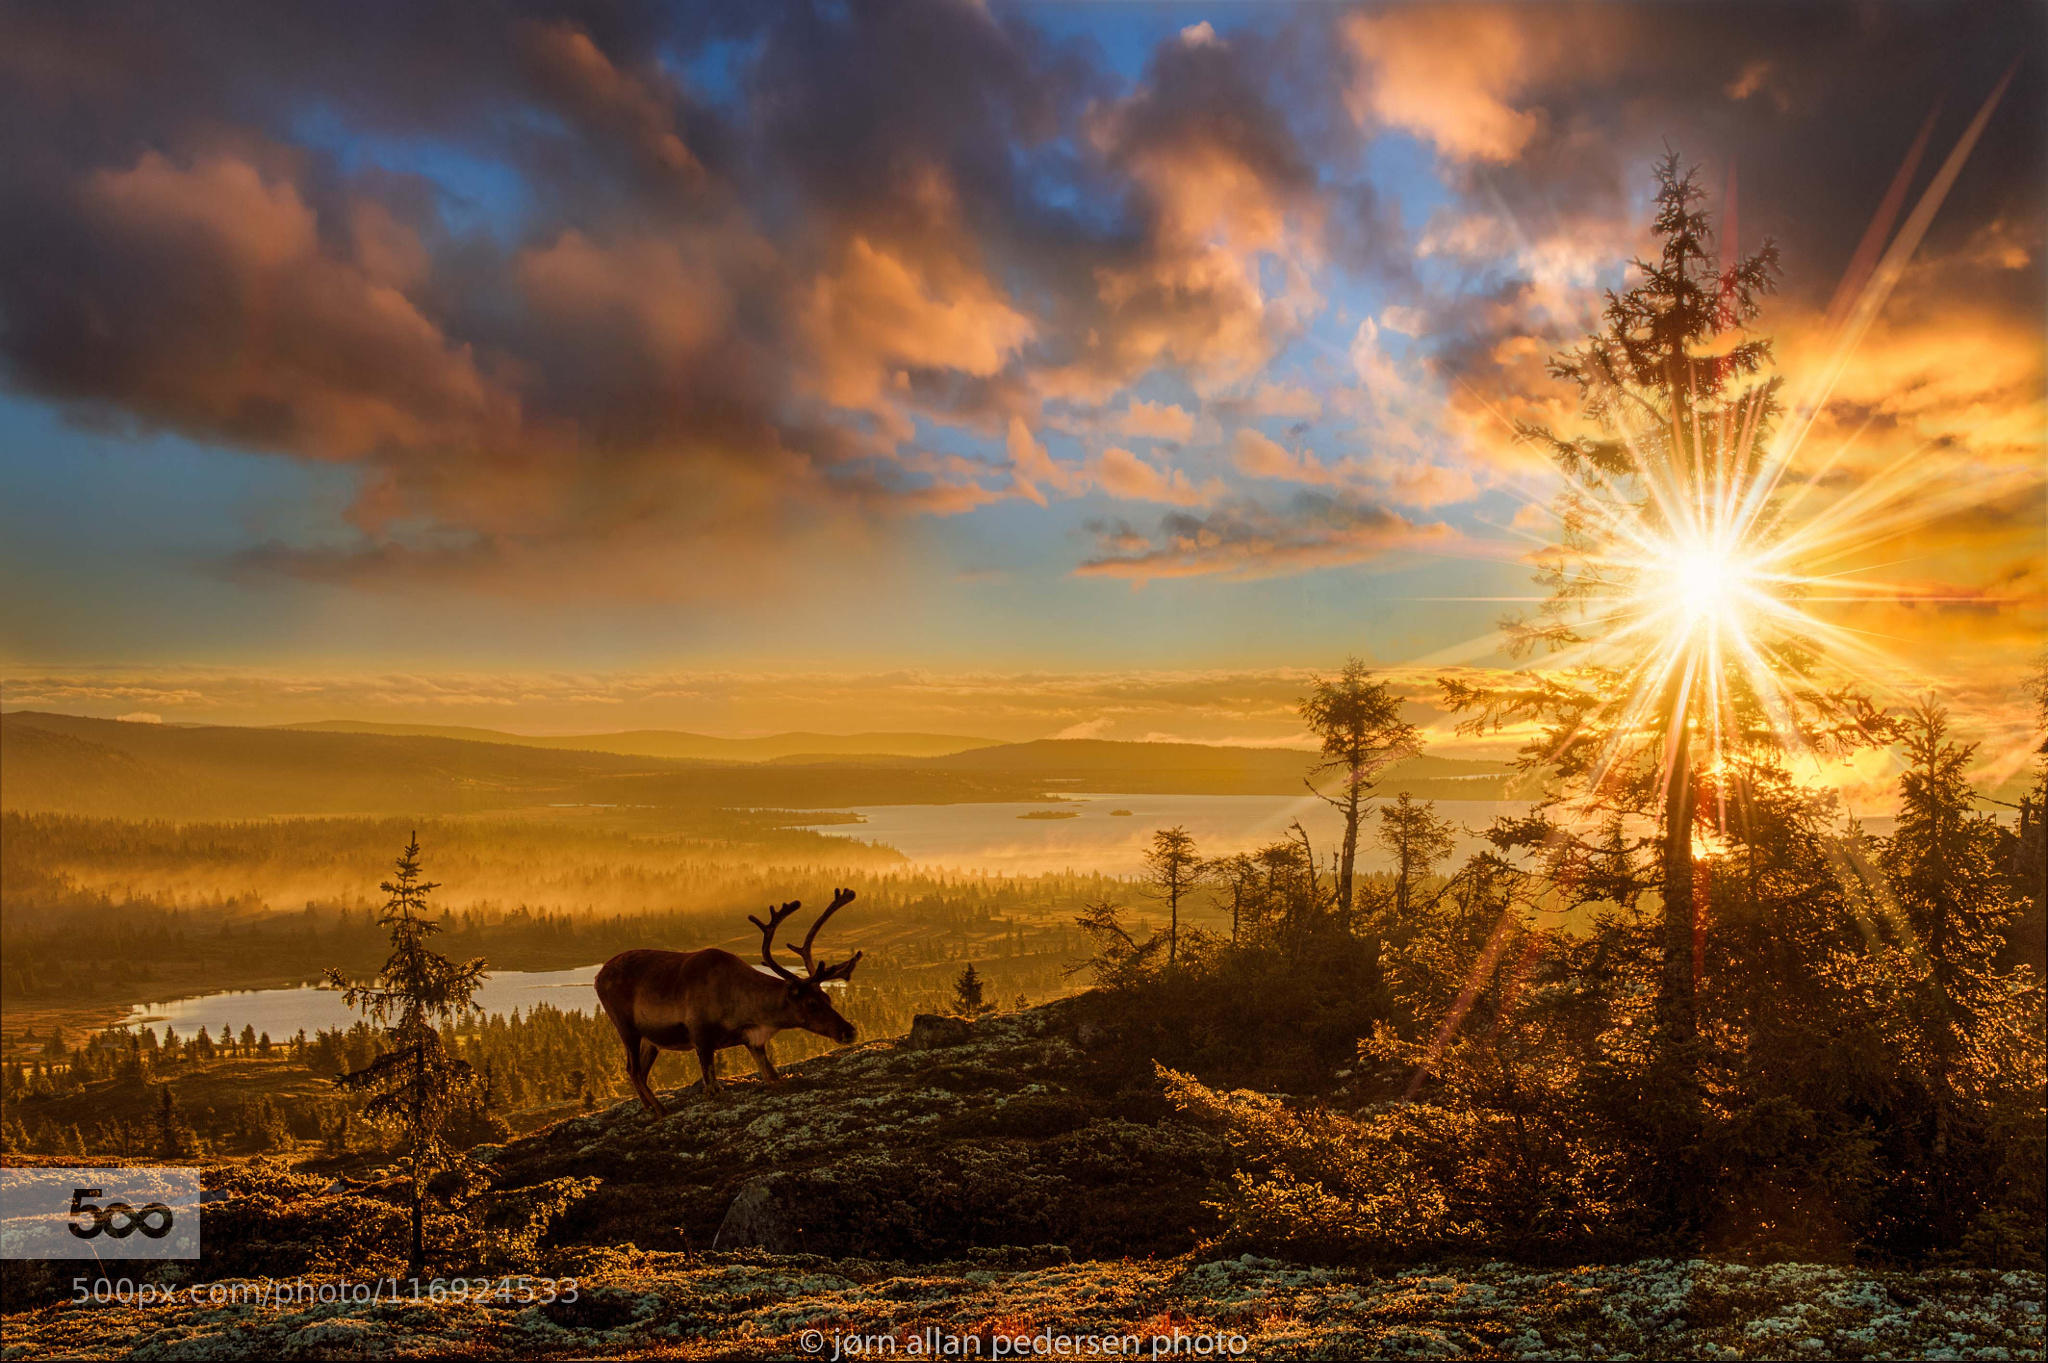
pixel 634 1304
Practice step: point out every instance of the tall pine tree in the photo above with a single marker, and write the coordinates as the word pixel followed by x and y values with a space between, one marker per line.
pixel 416 1084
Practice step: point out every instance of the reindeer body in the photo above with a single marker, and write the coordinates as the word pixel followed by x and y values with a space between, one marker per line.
pixel 710 1000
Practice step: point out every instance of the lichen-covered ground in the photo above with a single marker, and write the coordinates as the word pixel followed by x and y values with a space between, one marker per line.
pixel 633 1305
pixel 1014 1188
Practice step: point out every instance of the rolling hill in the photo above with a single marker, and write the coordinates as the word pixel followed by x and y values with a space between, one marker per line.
pixel 66 764
pixel 676 745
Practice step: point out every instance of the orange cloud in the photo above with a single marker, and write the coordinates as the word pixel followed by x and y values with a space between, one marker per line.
pixel 1258 455
pixel 1123 474
pixel 639 111
pixel 879 311
pixel 1244 541
pixel 1452 73
pixel 311 347
pixel 1229 200
pixel 1031 465
pixel 1155 421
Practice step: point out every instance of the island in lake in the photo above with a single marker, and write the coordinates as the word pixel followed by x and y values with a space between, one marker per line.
pixel 1051 814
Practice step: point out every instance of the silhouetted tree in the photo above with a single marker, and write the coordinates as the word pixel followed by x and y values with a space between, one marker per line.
pixel 1418 838
pixel 1942 862
pixel 1172 869
pixel 1120 959
pixel 1358 723
pixel 1240 873
pixel 1673 384
pixel 2028 940
pixel 173 1133
pixel 967 992
pixel 416 1083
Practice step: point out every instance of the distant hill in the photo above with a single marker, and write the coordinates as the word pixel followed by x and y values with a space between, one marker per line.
pixel 65 764
pixel 676 745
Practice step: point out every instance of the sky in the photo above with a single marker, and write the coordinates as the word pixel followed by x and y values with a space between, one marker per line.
pixel 1016 370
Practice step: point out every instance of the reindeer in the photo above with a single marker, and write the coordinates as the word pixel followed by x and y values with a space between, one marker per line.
pixel 711 999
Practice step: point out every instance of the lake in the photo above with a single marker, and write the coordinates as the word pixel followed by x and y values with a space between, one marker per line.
pixel 966 838
pixel 282 1012
pixel 998 839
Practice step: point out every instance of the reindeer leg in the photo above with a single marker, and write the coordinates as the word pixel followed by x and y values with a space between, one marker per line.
pixel 707 1061
pixel 638 1063
pixel 763 1063
pixel 649 1053
pixel 636 1050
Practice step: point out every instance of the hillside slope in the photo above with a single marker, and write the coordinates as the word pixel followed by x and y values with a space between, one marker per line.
pixel 67 764
pixel 64 764
pixel 676 744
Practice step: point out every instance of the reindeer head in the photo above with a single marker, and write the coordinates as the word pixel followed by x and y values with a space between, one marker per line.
pixel 805 998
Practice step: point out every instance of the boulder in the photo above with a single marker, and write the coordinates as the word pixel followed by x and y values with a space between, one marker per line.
pixel 1093 1035
pixel 931 1032
pixel 758 1219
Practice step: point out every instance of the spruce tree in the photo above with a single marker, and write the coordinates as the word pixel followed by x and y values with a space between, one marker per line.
pixel 1419 838
pixel 967 992
pixel 1172 869
pixel 1943 864
pixel 173 1134
pixel 415 1084
pixel 1357 721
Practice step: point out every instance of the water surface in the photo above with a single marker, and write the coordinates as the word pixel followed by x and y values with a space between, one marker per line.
pixel 996 839
pixel 282 1012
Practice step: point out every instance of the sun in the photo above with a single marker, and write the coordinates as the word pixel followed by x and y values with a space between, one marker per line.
pixel 1705 585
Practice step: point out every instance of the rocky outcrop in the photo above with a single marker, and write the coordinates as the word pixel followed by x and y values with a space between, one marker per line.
pixel 961 1136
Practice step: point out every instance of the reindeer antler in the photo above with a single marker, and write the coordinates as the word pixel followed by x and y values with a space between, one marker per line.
pixel 775 917
pixel 840 899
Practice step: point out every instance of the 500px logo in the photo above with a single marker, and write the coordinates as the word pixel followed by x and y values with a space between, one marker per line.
pixel 153 1219
pixel 147 1212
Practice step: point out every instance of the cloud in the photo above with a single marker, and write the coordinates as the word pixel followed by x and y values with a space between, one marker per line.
pixel 1753 78
pixel 1257 455
pixel 1244 540
pixel 1222 196
pixel 1031 465
pixel 1290 400
pixel 204 294
pixel 1454 73
pixel 1403 482
pixel 877 314
pixel 641 113
pixel 1122 474
pixel 1155 421
pixel 1404 320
